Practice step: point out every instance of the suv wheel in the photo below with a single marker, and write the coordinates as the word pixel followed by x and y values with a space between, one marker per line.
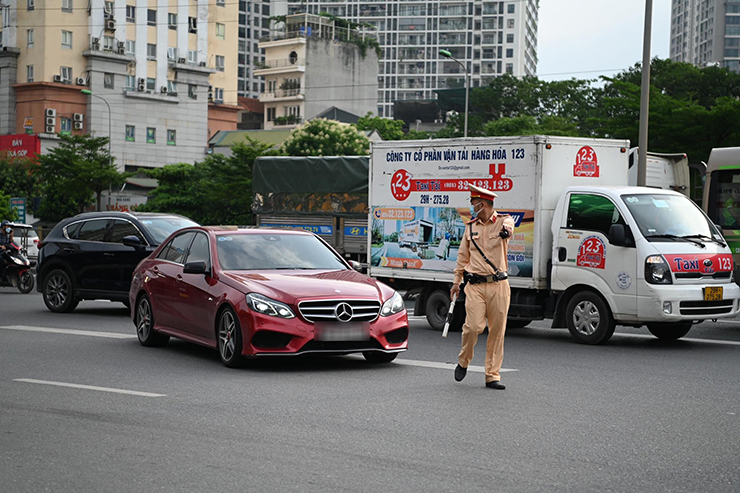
pixel 58 292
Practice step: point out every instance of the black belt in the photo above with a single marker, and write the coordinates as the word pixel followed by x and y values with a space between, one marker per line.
pixel 476 279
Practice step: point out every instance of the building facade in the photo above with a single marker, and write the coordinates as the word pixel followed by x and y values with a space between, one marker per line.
pixel 162 74
pixel 489 37
pixel 312 65
pixel 706 32
pixel 254 23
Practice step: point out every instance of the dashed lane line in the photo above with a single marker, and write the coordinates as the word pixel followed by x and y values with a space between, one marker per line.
pixel 89 387
pixel 89 333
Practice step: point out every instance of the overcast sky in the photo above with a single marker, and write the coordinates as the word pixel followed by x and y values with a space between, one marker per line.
pixel 589 38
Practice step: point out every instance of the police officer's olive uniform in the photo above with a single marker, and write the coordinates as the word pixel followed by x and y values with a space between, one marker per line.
pixel 486 300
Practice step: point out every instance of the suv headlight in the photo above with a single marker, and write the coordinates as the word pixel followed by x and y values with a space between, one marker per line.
pixel 657 270
pixel 266 306
pixel 392 305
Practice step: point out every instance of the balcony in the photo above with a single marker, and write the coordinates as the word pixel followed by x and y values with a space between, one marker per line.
pixel 281 66
pixel 283 95
pixel 282 121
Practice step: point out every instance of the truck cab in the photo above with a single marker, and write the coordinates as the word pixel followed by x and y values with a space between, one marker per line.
pixel 637 256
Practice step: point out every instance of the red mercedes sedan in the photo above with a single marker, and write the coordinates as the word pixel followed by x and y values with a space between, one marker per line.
pixel 260 292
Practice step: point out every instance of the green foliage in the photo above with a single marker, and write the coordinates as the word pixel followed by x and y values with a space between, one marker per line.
pixel 17 177
pixel 418 135
pixel 217 190
pixel 321 137
pixel 72 174
pixel 6 212
pixel 387 128
pixel 528 125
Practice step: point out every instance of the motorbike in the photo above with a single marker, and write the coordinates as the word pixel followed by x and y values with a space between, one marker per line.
pixel 17 272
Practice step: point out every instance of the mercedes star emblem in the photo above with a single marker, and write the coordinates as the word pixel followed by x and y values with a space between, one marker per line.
pixel 343 312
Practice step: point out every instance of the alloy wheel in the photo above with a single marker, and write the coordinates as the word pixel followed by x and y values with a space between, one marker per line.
pixel 143 319
pixel 226 336
pixel 57 291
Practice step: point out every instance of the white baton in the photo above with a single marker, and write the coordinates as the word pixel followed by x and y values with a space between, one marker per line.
pixel 449 317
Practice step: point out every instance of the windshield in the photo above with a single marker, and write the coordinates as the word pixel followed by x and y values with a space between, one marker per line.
pixel 674 215
pixel 275 251
pixel 161 227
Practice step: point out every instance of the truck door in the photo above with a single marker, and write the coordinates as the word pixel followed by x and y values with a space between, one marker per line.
pixel 584 255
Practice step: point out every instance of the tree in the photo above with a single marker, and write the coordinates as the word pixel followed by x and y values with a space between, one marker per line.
pixel 217 190
pixel 73 173
pixel 321 137
pixel 6 212
pixel 17 176
pixel 387 128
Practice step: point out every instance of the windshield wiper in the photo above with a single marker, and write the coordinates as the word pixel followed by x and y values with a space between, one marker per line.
pixel 679 238
pixel 705 237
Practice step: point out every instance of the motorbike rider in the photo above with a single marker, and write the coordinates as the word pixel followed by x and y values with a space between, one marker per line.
pixel 6 238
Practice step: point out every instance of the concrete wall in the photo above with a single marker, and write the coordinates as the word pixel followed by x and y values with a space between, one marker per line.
pixel 8 76
pixel 338 75
pixel 187 116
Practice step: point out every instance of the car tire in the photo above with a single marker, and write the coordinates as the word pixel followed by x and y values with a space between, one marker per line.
pixel 517 323
pixel 437 307
pixel 378 357
pixel 58 292
pixel 229 334
pixel 144 322
pixel 26 282
pixel 589 319
pixel 669 331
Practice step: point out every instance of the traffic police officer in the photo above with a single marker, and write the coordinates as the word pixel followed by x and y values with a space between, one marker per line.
pixel 482 262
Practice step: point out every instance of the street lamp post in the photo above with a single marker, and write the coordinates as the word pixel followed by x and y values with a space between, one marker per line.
pixel 447 54
pixel 645 97
pixel 110 135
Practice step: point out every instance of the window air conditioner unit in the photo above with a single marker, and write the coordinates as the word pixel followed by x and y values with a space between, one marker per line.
pixel 110 25
pixel 163 89
pixel 181 60
pixel 95 43
pixel 202 64
pixel 78 117
pixel 57 78
pixel 51 112
pixel 81 81
pixel 51 121
pixel 140 84
pixel 121 48
pixel 49 130
pixel 78 125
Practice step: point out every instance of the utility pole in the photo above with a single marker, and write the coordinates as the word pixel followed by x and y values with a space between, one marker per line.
pixel 645 97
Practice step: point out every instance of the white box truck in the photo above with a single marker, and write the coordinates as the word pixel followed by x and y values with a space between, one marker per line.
pixel 588 251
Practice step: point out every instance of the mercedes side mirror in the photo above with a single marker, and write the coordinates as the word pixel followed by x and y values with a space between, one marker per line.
pixel 195 267
pixel 356 265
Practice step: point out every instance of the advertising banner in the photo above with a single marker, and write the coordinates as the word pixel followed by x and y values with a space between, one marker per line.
pixel 420 203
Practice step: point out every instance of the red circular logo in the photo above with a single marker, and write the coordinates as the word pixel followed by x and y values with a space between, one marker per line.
pixel 401 184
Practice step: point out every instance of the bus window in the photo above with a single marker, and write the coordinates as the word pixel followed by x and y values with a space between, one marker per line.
pixel 724 198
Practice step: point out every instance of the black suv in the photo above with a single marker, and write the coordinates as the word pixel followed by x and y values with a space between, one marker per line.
pixel 93 255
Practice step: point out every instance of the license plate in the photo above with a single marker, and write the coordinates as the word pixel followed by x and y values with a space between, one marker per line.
pixel 713 294
pixel 342 331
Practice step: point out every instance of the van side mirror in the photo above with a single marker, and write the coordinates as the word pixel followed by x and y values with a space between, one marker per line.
pixel 617 235
pixel 132 241
pixel 195 267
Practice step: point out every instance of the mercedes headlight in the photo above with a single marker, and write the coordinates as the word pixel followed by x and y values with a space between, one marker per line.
pixel 266 306
pixel 657 270
pixel 393 305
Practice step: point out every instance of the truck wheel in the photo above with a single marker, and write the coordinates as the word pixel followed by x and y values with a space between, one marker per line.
pixel 517 323
pixel 589 319
pixel 438 304
pixel 669 331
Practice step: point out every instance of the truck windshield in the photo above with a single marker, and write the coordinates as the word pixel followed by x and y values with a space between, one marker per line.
pixel 275 251
pixel 665 216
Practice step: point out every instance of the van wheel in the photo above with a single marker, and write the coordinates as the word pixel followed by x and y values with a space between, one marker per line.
pixel 58 292
pixel 589 319
pixel 669 331
pixel 438 304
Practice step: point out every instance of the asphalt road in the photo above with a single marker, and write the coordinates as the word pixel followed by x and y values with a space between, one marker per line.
pixel 637 414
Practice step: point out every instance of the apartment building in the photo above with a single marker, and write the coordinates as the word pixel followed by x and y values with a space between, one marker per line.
pixel 254 23
pixel 489 37
pixel 706 32
pixel 162 73
pixel 312 65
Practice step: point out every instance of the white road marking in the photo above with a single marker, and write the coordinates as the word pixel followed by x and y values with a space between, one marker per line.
pixel 90 333
pixel 89 387
pixel 443 366
pixel 687 339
